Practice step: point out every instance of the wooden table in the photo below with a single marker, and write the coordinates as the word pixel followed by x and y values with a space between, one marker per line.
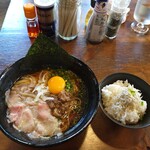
pixel 127 53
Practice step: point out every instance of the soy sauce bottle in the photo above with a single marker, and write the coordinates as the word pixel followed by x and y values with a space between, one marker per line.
pixel 31 22
pixel 95 32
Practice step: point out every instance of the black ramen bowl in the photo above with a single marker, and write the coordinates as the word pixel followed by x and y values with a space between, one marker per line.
pixel 35 63
pixel 138 84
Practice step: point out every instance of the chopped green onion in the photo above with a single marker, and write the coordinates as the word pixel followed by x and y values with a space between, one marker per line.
pixel 132 92
pixel 142 103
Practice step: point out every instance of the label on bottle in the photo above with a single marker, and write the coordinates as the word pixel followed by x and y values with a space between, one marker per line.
pixel 46 20
pixel 98 28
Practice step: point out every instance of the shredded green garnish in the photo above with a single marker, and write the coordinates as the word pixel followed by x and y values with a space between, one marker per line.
pixel 142 103
pixel 132 92
pixel 68 86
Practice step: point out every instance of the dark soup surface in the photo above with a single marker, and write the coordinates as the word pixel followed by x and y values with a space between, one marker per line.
pixel 46 103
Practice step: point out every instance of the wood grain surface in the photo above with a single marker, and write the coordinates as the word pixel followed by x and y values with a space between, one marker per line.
pixel 128 52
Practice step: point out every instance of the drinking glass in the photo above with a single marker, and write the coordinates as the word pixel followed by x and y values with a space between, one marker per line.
pixel 142 17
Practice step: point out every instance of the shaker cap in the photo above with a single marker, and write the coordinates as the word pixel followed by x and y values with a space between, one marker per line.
pixel 44 3
pixel 29 10
pixel 99 1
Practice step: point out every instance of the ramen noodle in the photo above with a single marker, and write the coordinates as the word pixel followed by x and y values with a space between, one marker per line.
pixel 36 111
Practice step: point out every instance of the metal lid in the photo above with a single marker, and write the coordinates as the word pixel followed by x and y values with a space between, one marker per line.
pixel 99 1
pixel 44 3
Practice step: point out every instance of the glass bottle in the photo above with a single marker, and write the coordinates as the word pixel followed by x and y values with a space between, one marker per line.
pixel 116 16
pixel 46 16
pixel 32 24
pixel 68 18
pixel 89 13
pixel 96 27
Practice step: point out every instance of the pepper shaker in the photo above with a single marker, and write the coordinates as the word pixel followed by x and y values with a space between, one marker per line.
pixel 116 16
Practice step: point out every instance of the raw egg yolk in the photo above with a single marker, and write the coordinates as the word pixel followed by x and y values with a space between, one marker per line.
pixel 56 84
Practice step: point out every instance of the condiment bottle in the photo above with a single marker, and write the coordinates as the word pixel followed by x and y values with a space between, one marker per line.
pixel 32 24
pixel 46 16
pixel 89 13
pixel 116 16
pixel 97 24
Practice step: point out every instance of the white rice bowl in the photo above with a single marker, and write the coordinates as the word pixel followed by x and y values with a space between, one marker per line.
pixel 123 102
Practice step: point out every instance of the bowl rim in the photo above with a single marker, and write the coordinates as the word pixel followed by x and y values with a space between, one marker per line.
pixel 130 126
pixel 78 128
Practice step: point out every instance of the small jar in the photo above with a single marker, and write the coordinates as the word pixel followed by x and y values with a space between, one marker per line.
pixel 114 22
pixel 46 16
pixel 68 18
pixel 116 17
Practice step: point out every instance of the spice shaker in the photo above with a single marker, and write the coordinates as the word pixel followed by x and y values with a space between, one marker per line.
pixel 32 24
pixel 68 18
pixel 97 24
pixel 46 16
pixel 116 16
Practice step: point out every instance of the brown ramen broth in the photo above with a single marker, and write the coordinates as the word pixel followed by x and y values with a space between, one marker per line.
pixel 34 110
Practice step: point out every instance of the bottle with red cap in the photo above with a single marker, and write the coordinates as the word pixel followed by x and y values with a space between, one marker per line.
pixel 32 24
pixel 95 32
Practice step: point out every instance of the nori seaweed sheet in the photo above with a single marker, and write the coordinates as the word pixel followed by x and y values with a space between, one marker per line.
pixel 44 45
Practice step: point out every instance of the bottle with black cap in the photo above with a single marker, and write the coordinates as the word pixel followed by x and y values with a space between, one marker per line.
pixel 95 32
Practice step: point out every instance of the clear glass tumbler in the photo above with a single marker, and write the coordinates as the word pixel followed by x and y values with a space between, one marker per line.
pixel 142 17
pixel 68 18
